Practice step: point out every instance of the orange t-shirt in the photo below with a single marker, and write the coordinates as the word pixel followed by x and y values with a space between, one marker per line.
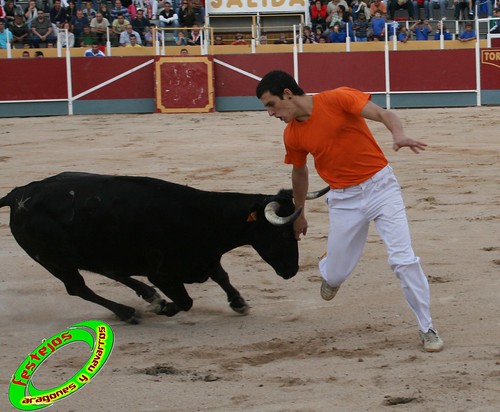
pixel 344 150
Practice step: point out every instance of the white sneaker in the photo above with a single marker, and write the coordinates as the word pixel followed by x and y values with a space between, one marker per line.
pixel 431 340
pixel 328 292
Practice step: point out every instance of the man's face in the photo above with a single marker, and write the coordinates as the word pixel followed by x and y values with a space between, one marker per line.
pixel 129 29
pixel 79 14
pixel 95 48
pixel 280 108
pixel 98 16
pixel 41 15
pixel 121 19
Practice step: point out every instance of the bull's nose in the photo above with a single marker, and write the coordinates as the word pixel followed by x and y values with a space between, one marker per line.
pixel 288 273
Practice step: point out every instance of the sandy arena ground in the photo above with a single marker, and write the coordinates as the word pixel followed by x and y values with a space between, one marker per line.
pixel 293 352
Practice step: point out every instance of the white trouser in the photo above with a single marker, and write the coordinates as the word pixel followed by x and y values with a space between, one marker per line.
pixel 351 210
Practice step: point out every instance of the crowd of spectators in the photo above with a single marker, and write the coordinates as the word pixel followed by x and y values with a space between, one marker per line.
pixel 332 21
pixel 87 23
pixel 129 23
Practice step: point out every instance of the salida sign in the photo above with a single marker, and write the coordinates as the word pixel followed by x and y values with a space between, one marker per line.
pixel 257 6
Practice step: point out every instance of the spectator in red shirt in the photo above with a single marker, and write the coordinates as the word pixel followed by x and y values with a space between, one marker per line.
pixel 318 15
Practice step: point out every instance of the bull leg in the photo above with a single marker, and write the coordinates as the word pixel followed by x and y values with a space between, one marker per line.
pixel 75 286
pixel 176 292
pixel 236 302
pixel 148 293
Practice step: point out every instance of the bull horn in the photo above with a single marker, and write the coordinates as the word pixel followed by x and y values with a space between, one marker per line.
pixel 318 193
pixel 271 214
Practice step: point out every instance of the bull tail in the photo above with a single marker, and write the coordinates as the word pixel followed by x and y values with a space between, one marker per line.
pixel 4 201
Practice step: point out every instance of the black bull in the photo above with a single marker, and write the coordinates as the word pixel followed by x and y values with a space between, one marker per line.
pixel 121 226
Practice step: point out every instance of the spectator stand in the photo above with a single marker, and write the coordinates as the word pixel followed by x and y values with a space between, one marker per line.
pixel 230 18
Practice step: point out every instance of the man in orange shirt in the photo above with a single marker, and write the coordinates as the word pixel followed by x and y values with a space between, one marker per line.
pixel 331 126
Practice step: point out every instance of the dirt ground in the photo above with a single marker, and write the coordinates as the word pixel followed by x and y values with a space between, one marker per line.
pixel 294 351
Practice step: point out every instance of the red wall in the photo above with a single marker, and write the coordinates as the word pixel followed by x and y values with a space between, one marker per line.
pixel 410 70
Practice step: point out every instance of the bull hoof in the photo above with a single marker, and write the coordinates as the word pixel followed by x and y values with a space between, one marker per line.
pixel 239 305
pixel 157 306
pixel 154 299
pixel 133 318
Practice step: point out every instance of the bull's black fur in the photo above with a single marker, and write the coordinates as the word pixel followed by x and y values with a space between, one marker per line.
pixel 121 226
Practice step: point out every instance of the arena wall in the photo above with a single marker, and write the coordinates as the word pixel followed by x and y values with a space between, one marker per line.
pixel 416 78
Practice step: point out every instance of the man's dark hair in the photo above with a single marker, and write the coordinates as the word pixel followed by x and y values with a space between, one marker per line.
pixel 276 82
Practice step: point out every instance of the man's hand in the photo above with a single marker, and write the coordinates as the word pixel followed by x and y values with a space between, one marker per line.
pixel 414 145
pixel 300 226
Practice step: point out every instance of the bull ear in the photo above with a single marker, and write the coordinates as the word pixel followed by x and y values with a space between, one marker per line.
pixel 252 217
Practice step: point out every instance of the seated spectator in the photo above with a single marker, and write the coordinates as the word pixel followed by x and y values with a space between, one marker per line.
pixel 99 27
pixel 150 7
pixel 318 33
pixel 195 36
pixel 79 5
pixel 263 39
pixel 125 36
pixel 26 53
pixel 495 24
pixel 30 13
pixel 42 31
pixel 10 12
pixel 378 5
pixel 239 40
pixel 39 54
pixel 58 14
pixel 361 28
pixel 307 36
pixel 20 32
pixel 468 34
pixel 86 37
pixel 2 14
pixel 78 22
pixel 335 8
pixel 140 23
pixel 119 9
pixel 133 41
pixel 403 35
pixel 71 10
pixel 359 7
pixel 461 9
pixel 422 29
pixel 168 17
pixel 94 51
pixel 318 15
pixel 421 4
pixel 88 11
pixel 378 26
pixel 347 24
pixel 336 34
pixel 148 35
pixel 199 12
pixel 282 39
pixel 438 4
pixel 184 52
pixel 61 36
pixel 117 28
pixel 398 5
pixel 218 40
pixel 5 35
pixel 446 33
pixel 104 10
pixel 180 39
pixel 186 15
